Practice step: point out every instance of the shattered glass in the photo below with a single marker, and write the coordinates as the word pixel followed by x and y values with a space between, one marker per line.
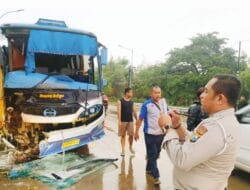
pixel 59 171
pixel 6 161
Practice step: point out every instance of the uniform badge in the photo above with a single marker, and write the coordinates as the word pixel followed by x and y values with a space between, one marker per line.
pixel 201 130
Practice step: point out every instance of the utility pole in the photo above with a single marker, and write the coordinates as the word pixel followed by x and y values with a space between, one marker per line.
pixel 131 66
pixel 238 65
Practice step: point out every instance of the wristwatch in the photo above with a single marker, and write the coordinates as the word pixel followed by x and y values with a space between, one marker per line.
pixel 171 126
pixel 168 127
pixel 165 128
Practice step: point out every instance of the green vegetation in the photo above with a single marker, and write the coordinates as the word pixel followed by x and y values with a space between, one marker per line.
pixel 184 71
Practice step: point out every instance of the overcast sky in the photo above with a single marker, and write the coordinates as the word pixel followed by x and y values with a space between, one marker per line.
pixel 150 28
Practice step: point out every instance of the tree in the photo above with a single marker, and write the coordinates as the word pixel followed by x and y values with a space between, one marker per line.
pixel 205 53
pixel 116 72
pixel 145 79
pixel 188 68
pixel 245 83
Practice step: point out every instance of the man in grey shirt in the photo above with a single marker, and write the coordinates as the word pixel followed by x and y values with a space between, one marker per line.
pixel 204 159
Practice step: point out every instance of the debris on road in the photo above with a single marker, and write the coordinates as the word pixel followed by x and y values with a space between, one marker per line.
pixel 59 171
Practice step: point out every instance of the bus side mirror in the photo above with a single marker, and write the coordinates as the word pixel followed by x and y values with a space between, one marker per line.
pixel 104 56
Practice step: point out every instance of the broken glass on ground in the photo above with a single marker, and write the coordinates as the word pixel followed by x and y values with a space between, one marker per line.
pixel 6 161
pixel 57 171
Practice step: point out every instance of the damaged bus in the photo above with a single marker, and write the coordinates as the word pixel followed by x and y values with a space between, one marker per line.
pixel 52 82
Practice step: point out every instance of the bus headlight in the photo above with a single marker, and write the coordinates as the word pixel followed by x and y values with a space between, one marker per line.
pixel 91 111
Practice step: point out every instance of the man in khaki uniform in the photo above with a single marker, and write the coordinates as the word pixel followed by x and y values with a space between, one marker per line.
pixel 204 159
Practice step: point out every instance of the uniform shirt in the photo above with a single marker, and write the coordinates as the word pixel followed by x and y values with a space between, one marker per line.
pixel 206 163
pixel 150 113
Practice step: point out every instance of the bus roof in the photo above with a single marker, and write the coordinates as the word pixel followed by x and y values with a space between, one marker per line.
pixel 42 24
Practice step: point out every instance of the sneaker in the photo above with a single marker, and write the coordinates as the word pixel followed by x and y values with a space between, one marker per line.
pixel 157 181
pixel 132 150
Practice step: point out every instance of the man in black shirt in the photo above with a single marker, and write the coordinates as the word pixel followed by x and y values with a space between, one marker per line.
pixel 195 114
pixel 125 112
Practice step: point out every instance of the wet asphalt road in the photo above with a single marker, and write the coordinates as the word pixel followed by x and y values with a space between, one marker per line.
pixel 127 173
